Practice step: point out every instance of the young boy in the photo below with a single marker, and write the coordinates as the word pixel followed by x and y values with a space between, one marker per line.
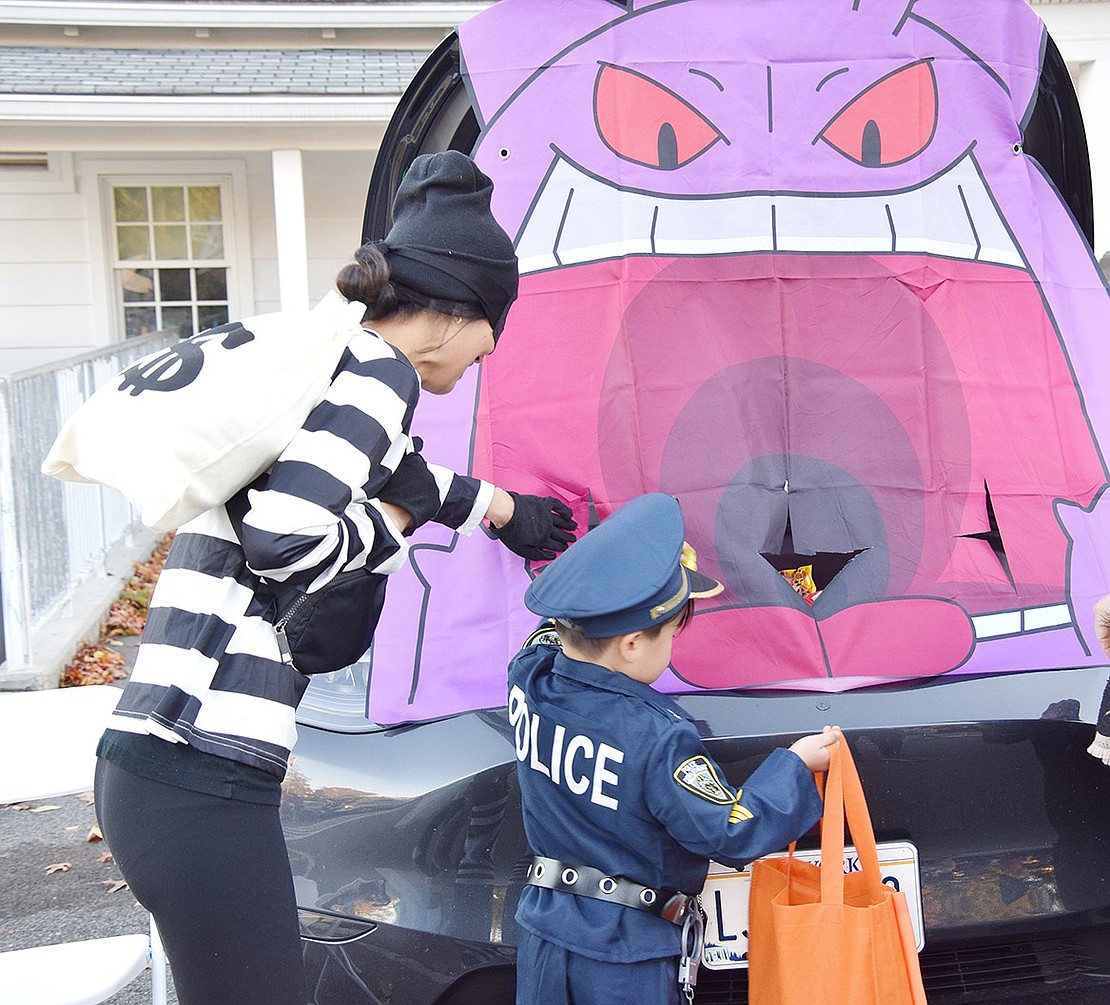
pixel 623 806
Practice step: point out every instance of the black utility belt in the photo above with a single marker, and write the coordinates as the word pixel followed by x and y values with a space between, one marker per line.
pixel 583 881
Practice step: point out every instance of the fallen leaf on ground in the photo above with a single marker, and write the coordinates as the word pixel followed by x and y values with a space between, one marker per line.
pixel 44 809
pixel 105 857
pixel 94 834
pixel 115 885
pixel 58 867
pixel 87 798
pixel 102 663
pixel 93 664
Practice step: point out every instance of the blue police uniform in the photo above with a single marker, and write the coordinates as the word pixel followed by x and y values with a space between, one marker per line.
pixel 614 777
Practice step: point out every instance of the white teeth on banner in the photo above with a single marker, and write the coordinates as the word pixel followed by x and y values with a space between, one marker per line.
pixel 1029 619
pixel 578 218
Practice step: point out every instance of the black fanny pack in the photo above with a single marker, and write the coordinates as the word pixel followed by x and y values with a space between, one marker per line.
pixel 328 629
pixel 331 628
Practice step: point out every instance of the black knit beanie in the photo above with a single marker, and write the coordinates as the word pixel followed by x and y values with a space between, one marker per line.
pixel 445 243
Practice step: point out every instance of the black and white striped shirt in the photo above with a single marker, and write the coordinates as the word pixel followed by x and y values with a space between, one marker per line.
pixel 209 672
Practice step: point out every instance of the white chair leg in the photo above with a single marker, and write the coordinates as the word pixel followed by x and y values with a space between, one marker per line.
pixel 157 966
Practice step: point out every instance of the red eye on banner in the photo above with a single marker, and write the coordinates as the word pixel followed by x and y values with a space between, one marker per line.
pixel 890 122
pixel 642 121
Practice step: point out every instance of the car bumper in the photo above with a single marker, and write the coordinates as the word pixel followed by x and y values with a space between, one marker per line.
pixel 417 831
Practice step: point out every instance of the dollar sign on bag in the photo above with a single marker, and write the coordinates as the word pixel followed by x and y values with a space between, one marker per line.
pixel 178 366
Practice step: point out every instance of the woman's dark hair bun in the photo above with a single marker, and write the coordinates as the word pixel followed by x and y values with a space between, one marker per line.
pixel 366 280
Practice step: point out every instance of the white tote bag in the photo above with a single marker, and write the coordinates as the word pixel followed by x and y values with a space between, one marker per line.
pixel 183 429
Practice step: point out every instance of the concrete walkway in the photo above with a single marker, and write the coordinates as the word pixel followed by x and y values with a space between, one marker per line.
pixel 43 902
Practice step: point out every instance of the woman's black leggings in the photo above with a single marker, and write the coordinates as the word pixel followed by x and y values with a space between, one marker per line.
pixel 215 874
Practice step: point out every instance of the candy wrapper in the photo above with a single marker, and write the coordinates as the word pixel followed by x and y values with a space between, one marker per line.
pixel 801 581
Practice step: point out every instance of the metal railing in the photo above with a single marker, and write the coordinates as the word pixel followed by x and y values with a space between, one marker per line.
pixel 53 534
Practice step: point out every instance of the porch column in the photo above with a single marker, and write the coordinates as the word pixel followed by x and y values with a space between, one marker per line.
pixel 292 245
pixel 1093 89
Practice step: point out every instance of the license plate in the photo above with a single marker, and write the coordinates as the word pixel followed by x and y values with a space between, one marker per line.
pixel 725 900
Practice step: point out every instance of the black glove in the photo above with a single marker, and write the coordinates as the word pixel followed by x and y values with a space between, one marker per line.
pixel 414 489
pixel 540 527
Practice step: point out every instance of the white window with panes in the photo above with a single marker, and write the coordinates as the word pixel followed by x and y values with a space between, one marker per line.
pixel 170 253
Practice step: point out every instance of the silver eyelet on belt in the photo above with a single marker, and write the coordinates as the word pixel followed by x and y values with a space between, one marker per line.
pixel 607 884
pixel 647 897
pixel 570 877
pixel 539 870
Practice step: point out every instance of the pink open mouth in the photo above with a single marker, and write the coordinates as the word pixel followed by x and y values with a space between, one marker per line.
pixel 877 413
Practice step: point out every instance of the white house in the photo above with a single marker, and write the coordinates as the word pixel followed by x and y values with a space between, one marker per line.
pixel 166 165
pixel 162 166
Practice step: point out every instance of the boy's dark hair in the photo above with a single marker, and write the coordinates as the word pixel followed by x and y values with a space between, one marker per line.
pixel 595 647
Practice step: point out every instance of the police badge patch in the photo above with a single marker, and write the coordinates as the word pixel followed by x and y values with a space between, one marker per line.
pixel 696 775
pixel 545 635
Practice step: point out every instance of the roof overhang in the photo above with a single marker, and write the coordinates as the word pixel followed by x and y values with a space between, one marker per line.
pixel 239 15
pixel 102 108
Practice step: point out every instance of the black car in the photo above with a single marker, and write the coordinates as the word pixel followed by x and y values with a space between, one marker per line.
pixel 407 844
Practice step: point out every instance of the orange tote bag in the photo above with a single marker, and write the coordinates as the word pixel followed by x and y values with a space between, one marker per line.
pixel 818 937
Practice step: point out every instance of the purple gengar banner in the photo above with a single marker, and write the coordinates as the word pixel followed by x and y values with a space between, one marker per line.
pixel 786 260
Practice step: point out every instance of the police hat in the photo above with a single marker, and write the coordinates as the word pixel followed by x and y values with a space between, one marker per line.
pixel 625 575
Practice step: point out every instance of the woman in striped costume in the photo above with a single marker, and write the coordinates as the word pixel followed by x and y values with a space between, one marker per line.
pixel 189 773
